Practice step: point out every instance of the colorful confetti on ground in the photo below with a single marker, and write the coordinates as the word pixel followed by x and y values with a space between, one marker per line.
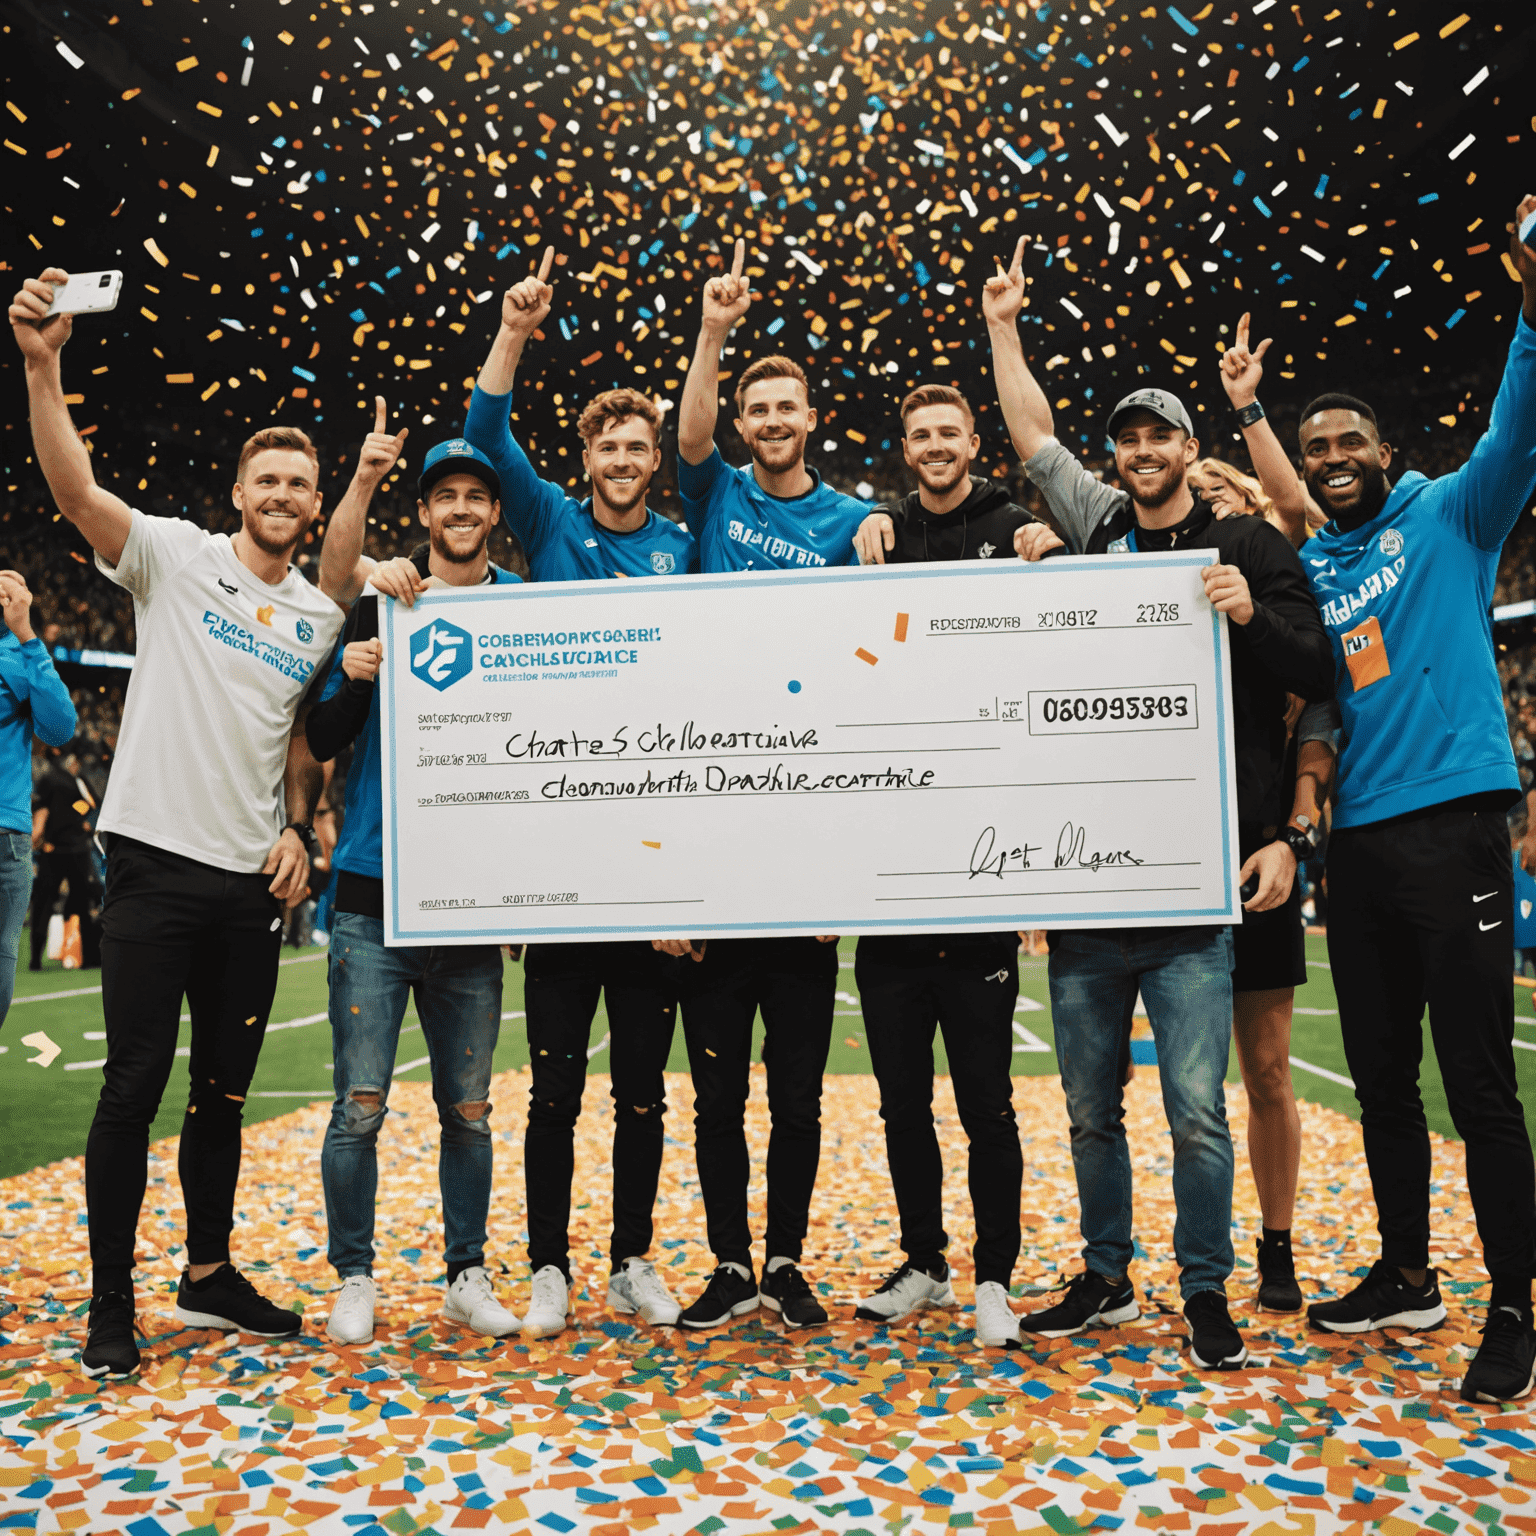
pixel 613 1428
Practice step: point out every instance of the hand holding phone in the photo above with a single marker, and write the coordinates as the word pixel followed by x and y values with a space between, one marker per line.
pixel 87 293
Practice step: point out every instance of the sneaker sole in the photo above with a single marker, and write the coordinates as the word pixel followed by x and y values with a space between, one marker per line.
pixel 618 1304
pixel 1488 1397
pixel 1432 1318
pixel 342 1338
pixel 948 1299
pixel 1110 1319
pixel 227 1325
pixel 464 1322
pixel 739 1310
pixel 96 1372
pixel 1270 1306
pixel 1230 1363
pixel 774 1305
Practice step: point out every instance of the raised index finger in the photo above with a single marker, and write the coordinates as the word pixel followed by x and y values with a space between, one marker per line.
pixel 546 263
pixel 1242 330
pixel 1017 269
pixel 740 259
pixel 380 413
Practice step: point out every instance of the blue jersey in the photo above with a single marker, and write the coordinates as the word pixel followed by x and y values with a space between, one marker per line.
pixel 32 699
pixel 1405 600
pixel 360 849
pixel 742 528
pixel 563 540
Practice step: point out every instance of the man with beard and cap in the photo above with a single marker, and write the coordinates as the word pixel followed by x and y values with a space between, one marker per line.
pixel 1185 974
pixel 199 860
pixel 770 514
pixel 457 986
pixel 1420 880
pixel 613 535
pixel 963 983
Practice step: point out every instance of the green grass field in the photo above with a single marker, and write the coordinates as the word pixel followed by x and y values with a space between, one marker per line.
pixel 48 1110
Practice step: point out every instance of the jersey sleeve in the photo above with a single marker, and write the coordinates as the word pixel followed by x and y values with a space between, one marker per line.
pixel 155 547
pixel 531 506
pixel 1483 499
pixel 1079 501
pixel 696 483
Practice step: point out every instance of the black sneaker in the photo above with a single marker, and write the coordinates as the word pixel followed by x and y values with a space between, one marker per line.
pixel 1091 1301
pixel 228 1300
pixel 1505 1365
pixel 1382 1300
pixel 111 1347
pixel 728 1294
pixel 784 1290
pixel 1278 1290
pixel 1214 1342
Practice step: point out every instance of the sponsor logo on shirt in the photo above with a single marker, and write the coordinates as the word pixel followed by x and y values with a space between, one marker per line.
pixel 228 632
pixel 226 586
pixel 662 563
pixel 304 630
pixel 264 615
pixel 1390 543
pixel 773 547
pixel 1365 654
pixel 440 654
pixel 1341 610
pixel 987 551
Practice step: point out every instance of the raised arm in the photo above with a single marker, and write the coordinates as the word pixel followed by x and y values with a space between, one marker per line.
pixel 344 568
pixel 103 518
pixel 1241 372
pixel 726 300
pixel 1025 409
pixel 53 711
pixel 524 308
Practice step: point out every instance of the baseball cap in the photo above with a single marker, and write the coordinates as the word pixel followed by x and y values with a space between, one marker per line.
pixel 1159 402
pixel 457 457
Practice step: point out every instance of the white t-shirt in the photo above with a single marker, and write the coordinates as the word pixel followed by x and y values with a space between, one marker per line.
pixel 223 661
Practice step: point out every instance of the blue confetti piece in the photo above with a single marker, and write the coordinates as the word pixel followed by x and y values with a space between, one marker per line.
pixel 1321 187
pixel 1300 64
pixel 775 326
pixel 256 232
pixel 304 373
pixel 1259 203
pixel 1183 21
pixel 1294 1484
pixel 1077 58
pixel 393 272
pixel 557 1522
pixel 148 1526
pixel 1468 1466
pixel 1239 178
pixel 1360 304
pixel 1376 275
pixel 1429 197
pixel 1448 324
pixel 923 277
pixel 357 317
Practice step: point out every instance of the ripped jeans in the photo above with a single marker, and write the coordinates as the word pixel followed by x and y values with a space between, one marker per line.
pixel 458 998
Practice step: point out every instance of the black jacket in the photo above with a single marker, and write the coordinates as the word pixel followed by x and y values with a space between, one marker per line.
pixel 1282 649
pixel 980 528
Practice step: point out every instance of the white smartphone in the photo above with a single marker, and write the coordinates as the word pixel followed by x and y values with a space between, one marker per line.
pixel 87 293
pixel 1528 233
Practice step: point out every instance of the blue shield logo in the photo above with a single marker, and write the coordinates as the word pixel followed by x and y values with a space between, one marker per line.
pixel 440 654
pixel 304 630
pixel 662 564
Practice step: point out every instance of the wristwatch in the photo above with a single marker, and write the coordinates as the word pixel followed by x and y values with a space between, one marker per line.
pixel 307 836
pixel 1249 414
pixel 1302 839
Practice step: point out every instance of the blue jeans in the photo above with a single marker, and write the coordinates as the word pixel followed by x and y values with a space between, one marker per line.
pixel 458 998
pixel 15 888
pixel 1185 978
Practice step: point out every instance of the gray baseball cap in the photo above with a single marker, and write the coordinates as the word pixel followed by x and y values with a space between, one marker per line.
pixel 1159 402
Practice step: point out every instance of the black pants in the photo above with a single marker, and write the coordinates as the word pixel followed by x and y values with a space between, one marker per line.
pixel 174 927
pixel 562 983
pixel 53 869
pixel 793 981
pixel 903 1005
pixel 1422 910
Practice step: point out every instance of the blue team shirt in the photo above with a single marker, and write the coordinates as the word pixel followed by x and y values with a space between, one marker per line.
pixel 32 699
pixel 742 528
pixel 360 850
pixel 563 540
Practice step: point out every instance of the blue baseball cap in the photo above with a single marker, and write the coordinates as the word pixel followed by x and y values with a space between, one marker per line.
pixel 457 457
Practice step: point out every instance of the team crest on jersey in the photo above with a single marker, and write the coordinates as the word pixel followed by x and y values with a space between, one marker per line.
pixel 1390 543
pixel 304 630
pixel 1119 547
pixel 987 551
pixel 662 564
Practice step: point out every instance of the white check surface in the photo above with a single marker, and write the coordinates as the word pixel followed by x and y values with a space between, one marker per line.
pixel 899 749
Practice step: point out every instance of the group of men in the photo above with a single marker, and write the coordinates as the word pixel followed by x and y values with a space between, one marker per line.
pixel 1379 629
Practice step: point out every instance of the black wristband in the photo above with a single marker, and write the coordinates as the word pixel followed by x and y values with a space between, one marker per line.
pixel 307 836
pixel 1250 414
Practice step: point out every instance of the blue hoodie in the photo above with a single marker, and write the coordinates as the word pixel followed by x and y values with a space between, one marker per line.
pixel 32 698
pixel 1405 600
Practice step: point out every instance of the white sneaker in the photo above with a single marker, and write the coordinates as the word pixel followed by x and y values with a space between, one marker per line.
pixel 472 1302
pixel 903 1292
pixel 351 1319
pixel 549 1306
pixel 636 1287
pixel 997 1324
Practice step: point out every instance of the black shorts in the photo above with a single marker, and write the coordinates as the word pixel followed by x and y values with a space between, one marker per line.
pixel 1271 946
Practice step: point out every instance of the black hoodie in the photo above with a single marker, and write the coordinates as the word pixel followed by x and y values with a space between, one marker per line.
pixel 980 528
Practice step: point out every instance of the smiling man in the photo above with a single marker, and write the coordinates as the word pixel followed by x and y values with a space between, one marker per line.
pixel 613 535
pixel 1185 974
pixel 1420 880
pixel 457 986
pixel 199 860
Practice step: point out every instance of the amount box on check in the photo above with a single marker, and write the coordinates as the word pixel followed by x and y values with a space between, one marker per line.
pixel 1083 711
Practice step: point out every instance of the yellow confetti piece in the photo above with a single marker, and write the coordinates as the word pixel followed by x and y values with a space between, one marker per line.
pixel 16 147
pixel 155 251
pixel 16 112
pixel 645 844
pixel 211 390
pixel 183 65
pixel 361 225
pixel 212 111
pixel 1403 42
pixel 1179 273
pixel 1456 25
pixel 178 378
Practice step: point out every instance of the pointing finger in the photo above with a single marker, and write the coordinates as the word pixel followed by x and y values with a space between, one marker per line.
pixel 740 261
pixel 1242 330
pixel 1017 269
pixel 1263 347
pixel 380 414
pixel 547 263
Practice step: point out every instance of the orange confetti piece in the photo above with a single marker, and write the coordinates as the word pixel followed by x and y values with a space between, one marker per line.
pixel 901 626
pixel 864 655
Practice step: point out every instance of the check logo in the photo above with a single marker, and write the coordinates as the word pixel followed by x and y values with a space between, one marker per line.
pixel 1477 899
pixel 1487 927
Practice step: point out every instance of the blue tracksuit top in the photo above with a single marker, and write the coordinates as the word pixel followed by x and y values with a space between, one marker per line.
pixel 563 540
pixel 1405 600
pixel 33 698
pixel 742 528
pixel 360 848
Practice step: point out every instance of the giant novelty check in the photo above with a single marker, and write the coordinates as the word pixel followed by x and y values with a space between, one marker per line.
pixel 878 750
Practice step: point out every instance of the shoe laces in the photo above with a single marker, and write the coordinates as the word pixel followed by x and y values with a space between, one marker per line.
pixel 646 1284
pixel 550 1290
pixel 788 1280
pixel 1504 1325
pixel 477 1283
pixel 724 1275
pixel 112 1307
pixel 991 1297
pixel 354 1285
pixel 896 1276
pixel 1211 1304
